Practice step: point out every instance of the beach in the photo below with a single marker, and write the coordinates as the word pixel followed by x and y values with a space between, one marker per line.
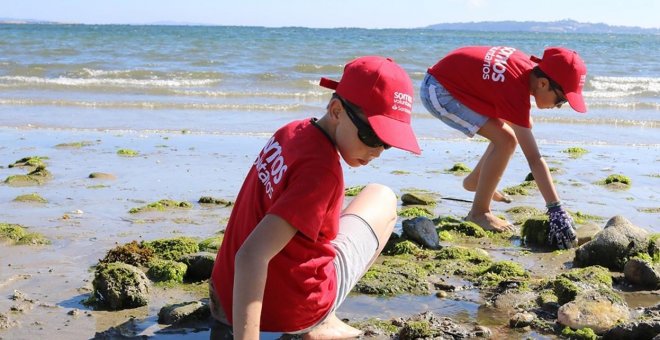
pixel 197 114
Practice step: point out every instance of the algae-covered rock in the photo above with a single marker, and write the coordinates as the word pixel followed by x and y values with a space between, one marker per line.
pixel 467 228
pixel 119 286
pixel 405 247
pixel 18 235
pixel 614 246
pixel 33 198
pixel 127 153
pixel 616 181
pixel 213 200
pixel 459 169
pixel 173 248
pixel 580 334
pixel 520 214
pixel 132 253
pixel 593 310
pixel 416 330
pixel 211 244
pixel 535 231
pixel 38 176
pixel 166 271
pixel 418 199
pixel 576 151
pixel 501 271
pixel 200 265
pixel 641 272
pixel 395 276
pixel 183 312
pixel 30 161
pixel 162 205
pixel 74 145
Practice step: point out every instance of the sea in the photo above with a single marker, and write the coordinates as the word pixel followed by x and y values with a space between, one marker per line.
pixel 251 80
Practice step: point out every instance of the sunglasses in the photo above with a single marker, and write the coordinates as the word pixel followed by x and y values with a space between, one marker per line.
pixel 365 133
pixel 561 100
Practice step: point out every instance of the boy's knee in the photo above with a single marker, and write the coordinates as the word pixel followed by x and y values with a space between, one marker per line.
pixel 385 195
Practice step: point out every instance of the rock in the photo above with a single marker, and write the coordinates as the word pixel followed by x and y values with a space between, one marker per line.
pixel 102 175
pixel 641 273
pixel 119 286
pixel 586 232
pixel 421 230
pixel 520 320
pixel 183 312
pixel 613 246
pixel 647 326
pixel 6 322
pixel 167 271
pixel 200 265
pixel 594 311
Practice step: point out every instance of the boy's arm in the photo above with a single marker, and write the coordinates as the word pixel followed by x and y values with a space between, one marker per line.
pixel 536 163
pixel 266 240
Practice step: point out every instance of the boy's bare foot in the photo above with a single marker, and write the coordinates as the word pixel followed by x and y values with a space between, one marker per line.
pixel 490 222
pixel 332 328
pixel 501 197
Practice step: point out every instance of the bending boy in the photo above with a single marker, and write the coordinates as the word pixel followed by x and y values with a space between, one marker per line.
pixel 290 255
pixel 485 90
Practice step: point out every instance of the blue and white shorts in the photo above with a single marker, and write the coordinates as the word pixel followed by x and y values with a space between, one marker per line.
pixel 444 106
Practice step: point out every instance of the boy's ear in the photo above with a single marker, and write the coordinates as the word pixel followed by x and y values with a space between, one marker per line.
pixel 335 108
pixel 543 82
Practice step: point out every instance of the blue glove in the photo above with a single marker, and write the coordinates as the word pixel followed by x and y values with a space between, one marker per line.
pixel 562 232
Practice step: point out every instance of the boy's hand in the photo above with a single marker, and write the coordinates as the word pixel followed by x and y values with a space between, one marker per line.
pixel 562 232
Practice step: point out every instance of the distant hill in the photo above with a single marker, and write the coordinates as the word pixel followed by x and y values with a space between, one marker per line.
pixel 562 26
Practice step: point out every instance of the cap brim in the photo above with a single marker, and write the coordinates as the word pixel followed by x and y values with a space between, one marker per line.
pixel 577 102
pixel 328 83
pixel 395 133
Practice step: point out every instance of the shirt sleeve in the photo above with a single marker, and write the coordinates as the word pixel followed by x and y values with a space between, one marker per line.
pixel 307 201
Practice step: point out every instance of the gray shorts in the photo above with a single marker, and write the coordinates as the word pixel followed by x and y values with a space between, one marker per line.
pixel 356 245
pixel 444 106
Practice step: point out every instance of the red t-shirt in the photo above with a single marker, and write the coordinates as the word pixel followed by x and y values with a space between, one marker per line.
pixel 492 81
pixel 298 177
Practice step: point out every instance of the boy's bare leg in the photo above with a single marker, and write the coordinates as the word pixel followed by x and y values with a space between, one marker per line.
pixel 471 180
pixel 376 204
pixel 493 164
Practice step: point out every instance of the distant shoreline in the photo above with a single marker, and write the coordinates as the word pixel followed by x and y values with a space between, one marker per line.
pixel 561 26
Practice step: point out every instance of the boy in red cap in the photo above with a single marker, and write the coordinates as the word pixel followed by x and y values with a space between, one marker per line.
pixel 485 90
pixel 290 254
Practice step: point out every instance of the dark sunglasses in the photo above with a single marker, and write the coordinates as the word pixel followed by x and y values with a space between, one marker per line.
pixel 366 134
pixel 561 100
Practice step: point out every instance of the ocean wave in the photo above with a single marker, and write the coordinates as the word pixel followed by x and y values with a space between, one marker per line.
pixel 83 82
pixel 318 69
pixel 625 85
pixel 153 105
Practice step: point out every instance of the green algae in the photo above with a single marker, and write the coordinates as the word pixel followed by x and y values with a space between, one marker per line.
pixel 385 326
pixel 499 272
pixel 132 253
pixel 405 247
pixel 416 211
pixel 162 205
pixel 534 230
pixel 520 214
pixel 655 210
pixel 580 334
pixel 167 271
pixel 445 236
pixel 416 330
pixel 520 189
pixel 33 197
pixel 399 172
pixel 354 190
pixel 616 181
pixel 467 228
pixel 127 153
pixel 74 145
pixel 173 248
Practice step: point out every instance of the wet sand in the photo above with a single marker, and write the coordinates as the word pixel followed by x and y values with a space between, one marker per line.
pixel 84 217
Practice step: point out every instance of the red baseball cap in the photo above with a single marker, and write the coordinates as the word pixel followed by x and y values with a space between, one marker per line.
pixel 567 69
pixel 384 92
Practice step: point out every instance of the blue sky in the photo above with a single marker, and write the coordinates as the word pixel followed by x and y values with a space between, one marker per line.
pixel 333 13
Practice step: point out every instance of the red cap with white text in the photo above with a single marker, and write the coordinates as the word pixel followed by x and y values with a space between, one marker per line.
pixel 384 92
pixel 566 68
